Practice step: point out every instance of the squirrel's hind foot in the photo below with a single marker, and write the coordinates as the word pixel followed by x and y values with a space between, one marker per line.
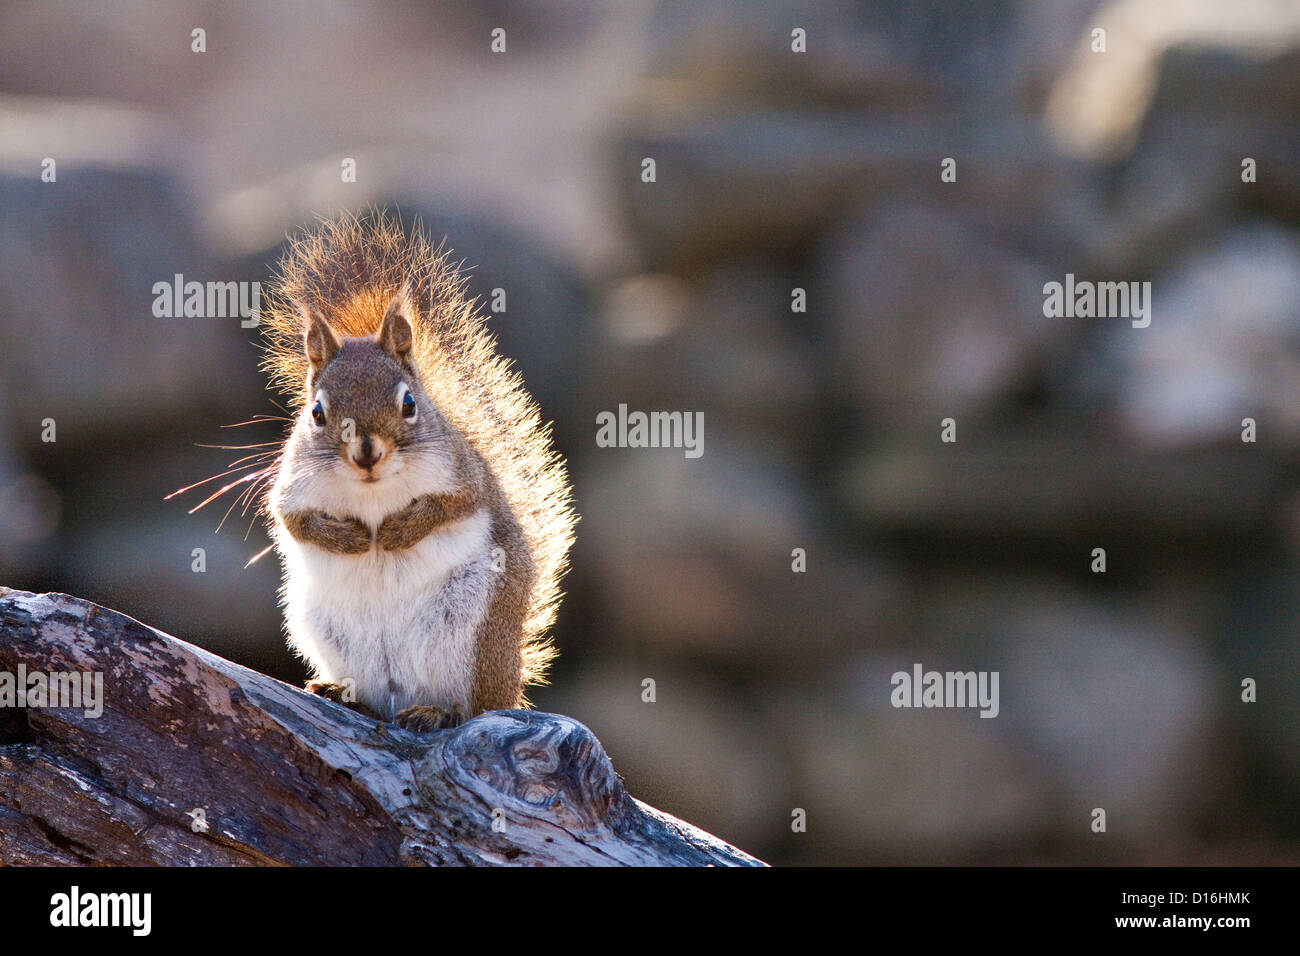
pixel 337 693
pixel 421 719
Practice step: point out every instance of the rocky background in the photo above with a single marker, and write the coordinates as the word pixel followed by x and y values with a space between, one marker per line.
pixel 775 171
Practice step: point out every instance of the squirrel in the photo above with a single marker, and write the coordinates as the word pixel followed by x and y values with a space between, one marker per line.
pixel 420 512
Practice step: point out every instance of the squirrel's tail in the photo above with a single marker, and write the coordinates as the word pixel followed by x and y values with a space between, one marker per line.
pixel 349 269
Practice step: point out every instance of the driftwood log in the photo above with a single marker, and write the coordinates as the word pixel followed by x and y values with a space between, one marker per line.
pixel 196 760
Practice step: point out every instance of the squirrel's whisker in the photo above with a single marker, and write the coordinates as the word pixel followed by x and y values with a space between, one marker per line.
pixel 251 493
pixel 261 444
pixel 223 474
pixel 257 457
pixel 217 494
pixel 258 419
pixel 259 554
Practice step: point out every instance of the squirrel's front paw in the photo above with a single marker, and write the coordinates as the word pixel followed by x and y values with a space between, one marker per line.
pixel 395 534
pixel 346 535
pixel 327 689
pixel 422 718
pixel 339 694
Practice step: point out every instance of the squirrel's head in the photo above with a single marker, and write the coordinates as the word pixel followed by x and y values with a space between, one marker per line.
pixel 366 407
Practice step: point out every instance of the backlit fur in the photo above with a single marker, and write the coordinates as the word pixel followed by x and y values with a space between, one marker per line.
pixel 477 424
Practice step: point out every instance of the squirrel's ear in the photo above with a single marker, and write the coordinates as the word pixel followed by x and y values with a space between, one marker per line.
pixel 396 335
pixel 321 342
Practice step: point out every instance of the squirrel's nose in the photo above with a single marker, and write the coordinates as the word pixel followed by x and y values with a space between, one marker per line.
pixel 368 455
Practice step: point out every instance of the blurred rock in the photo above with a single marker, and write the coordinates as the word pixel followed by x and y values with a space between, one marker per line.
pixel 929 317
pixel 1102 702
pixel 1223 345
pixel 703 50
pixel 894 54
pixel 729 345
pixel 884 785
pixel 81 259
pixel 757 181
pixel 693 558
pixel 1119 707
pixel 1001 490
pixel 1181 183
pixel 1101 98
pixel 772 181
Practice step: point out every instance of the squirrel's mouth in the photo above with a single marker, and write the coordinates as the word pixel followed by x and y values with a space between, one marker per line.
pixel 367 456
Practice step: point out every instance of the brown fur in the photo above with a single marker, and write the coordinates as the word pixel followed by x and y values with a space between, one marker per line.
pixel 424 718
pixel 340 535
pixel 496 670
pixel 348 273
pixel 339 694
pixel 405 528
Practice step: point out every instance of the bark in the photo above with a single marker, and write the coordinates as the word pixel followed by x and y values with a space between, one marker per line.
pixel 196 760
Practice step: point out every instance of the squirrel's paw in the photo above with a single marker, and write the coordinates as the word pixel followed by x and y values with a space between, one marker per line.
pixel 335 692
pixel 421 719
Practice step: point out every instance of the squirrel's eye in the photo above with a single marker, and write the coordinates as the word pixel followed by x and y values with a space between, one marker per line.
pixel 408 405
pixel 318 414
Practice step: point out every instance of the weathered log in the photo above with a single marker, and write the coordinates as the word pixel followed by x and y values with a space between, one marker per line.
pixel 196 760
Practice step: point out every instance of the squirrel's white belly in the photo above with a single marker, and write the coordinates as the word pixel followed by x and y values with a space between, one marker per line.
pixel 400 624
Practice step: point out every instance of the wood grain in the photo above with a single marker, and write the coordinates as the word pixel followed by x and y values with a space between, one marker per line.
pixel 286 778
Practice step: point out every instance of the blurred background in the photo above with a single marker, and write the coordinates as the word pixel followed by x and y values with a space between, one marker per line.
pixel 776 171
